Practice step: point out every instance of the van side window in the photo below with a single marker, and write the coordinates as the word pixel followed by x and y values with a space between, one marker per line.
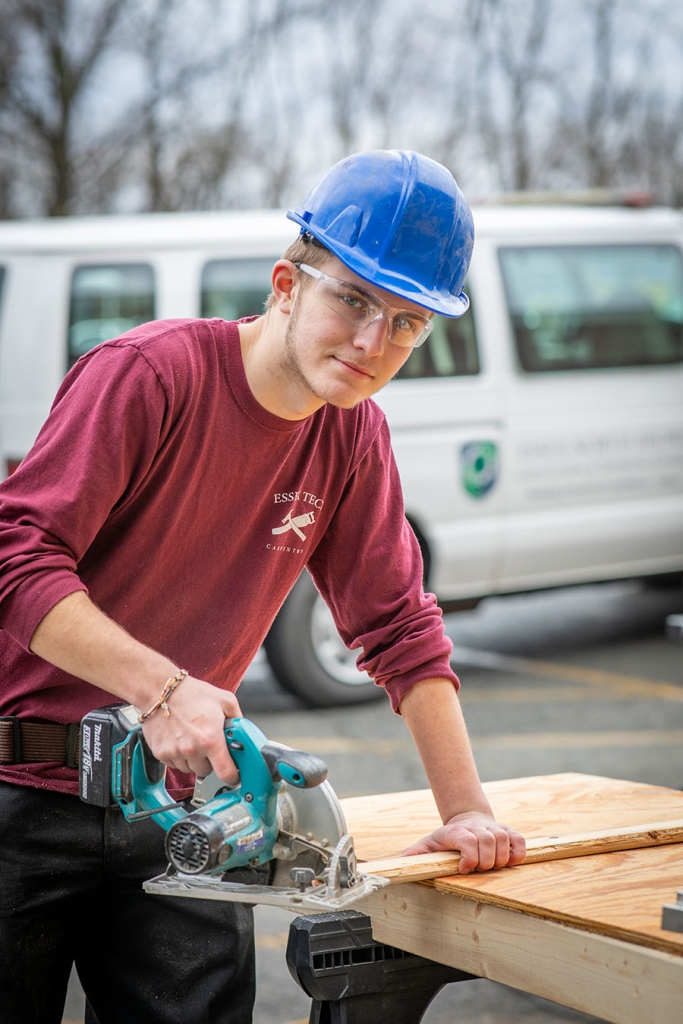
pixel 449 351
pixel 2 281
pixel 231 289
pixel 586 307
pixel 106 300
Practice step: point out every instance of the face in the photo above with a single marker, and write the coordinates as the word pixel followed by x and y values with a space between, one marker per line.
pixel 330 361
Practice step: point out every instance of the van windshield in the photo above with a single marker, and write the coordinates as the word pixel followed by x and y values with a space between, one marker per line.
pixel 593 306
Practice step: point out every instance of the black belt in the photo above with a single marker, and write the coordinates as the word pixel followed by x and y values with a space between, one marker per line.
pixel 30 742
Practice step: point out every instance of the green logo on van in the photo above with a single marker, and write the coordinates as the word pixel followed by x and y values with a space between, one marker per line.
pixel 479 467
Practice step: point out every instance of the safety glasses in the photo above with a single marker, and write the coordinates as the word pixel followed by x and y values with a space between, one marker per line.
pixel 407 329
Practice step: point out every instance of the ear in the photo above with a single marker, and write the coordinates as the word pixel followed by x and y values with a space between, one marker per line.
pixel 284 281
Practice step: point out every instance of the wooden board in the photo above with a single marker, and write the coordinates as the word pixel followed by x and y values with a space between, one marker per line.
pixel 541 805
pixel 619 895
pixel 539 849
pixel 618 981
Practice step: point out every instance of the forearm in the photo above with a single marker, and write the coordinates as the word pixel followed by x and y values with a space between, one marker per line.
pixel 432 712
pixel 80 639
pixel 77 637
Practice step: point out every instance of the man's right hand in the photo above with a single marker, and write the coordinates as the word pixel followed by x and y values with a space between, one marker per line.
pixel 192 737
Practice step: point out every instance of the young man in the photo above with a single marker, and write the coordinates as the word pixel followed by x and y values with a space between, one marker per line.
pixel 142 559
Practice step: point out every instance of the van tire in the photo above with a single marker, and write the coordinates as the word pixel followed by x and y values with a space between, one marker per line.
pixel 308 657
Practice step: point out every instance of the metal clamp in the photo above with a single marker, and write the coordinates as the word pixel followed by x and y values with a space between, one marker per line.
pixel 672 914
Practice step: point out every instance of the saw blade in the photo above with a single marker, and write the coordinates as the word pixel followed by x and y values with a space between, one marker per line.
pixel 315 814
pixel 311 823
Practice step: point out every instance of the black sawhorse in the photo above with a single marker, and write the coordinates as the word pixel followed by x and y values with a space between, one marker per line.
pixel 354 980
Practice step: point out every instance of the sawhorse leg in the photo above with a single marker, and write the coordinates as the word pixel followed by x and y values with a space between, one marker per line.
pixel 354 980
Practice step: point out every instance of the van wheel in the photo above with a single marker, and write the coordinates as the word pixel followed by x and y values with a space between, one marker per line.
pixel 308 656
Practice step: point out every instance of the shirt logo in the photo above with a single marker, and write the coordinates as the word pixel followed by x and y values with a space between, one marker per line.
pixel 295 523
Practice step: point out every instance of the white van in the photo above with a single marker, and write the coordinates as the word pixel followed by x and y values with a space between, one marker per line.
pixel 539 438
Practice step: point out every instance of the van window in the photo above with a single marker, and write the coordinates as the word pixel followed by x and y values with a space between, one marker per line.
pixel 449 351
pixel 585 307
pixel 2 282
pixel 106 300
pixel 231 289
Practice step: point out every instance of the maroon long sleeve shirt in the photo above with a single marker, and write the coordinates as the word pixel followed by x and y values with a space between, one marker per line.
pixel 161 487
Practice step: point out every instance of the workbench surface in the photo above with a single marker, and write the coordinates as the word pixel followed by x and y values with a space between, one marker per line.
pixel 584 932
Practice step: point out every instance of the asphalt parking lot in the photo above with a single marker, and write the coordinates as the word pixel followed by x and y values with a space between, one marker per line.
pixel 575 680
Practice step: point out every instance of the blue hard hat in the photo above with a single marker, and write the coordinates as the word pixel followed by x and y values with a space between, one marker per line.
pixel 398 220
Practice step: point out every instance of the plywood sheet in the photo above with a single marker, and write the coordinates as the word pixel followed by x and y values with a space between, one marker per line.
pixel 540 805
pixel 615 894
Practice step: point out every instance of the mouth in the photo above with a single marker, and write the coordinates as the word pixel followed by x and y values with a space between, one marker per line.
pixel 354 368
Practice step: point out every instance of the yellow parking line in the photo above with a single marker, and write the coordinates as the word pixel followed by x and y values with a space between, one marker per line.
pixel 565 740
pixel 266 940
pixel 529 694
pixel 568 673
pixel 497 741
pixel 345 744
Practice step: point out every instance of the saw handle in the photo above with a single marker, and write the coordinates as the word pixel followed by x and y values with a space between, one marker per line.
pixel 155 770
pixel 297 767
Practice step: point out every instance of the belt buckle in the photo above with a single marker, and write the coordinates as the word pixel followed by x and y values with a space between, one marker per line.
pixel 16 730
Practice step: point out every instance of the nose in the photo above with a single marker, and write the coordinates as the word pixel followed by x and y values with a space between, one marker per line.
pixel 374 337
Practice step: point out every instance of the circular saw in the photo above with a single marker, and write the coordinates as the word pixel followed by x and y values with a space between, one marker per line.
pixel 283 818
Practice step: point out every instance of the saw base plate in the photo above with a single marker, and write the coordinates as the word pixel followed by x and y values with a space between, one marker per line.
pixel 313 898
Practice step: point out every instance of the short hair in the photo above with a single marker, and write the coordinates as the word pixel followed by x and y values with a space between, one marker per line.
pixel 305 249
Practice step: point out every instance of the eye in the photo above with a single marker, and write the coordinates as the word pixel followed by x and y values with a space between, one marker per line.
pixel 408 325
pixel 354 301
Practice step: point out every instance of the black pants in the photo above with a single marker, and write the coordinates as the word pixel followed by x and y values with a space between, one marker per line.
pixel 71 892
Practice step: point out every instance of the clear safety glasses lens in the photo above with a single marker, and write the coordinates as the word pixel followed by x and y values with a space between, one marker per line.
pixel 407 329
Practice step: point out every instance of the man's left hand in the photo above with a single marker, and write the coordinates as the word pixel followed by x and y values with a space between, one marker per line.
pixel 483 843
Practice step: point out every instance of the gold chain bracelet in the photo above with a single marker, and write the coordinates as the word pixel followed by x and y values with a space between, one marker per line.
pixel 169 686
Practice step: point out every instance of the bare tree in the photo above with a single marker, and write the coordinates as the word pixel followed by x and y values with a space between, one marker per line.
pixel 601 100
pixel 653 152
pixel 619 122
pixel 173 127
pixel 201 116
pixel 8 50
pixel 513 68
pixel 109 105
pixel 180 157
pixel 58 46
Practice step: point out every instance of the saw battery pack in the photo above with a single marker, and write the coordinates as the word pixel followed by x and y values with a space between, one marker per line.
pixel 101 731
